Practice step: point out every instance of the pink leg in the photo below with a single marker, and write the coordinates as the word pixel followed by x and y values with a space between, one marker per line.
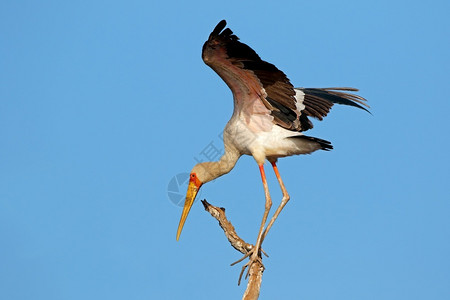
pixel 265 215
pixel 255 253
pixel 284 200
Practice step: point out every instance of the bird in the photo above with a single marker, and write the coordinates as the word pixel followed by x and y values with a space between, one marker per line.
pixel 268 122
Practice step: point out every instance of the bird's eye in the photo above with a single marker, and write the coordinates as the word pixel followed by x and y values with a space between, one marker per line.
pixel 192 176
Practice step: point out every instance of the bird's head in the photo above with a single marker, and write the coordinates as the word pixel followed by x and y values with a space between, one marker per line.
pixel 200 174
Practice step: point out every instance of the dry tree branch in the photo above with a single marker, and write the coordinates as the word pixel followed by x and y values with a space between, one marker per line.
pixel 256 269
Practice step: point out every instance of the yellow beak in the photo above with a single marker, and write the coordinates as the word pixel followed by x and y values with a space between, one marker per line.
pixel 190 197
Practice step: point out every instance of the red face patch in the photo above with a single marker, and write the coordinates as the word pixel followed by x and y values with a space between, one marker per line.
pixel 194 179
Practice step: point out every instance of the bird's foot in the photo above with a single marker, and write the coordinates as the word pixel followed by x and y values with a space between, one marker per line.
pixel 254 257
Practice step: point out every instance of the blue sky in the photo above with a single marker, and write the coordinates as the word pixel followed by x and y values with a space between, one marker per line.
pixel 102 103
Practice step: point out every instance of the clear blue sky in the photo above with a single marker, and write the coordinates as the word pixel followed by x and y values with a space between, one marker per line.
pixel 102 103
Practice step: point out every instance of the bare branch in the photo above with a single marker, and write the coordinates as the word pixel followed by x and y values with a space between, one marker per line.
pixel 254 282
pixel 256 269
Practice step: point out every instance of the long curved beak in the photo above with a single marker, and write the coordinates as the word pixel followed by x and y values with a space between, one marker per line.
pixel 190 197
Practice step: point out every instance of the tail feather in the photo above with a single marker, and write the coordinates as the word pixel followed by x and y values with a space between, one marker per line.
pixel 324 144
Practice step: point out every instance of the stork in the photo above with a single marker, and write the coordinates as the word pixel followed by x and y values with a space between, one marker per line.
pixel 268 119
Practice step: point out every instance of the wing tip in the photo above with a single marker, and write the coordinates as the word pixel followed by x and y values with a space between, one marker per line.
pixel 338 95
pixel 218 29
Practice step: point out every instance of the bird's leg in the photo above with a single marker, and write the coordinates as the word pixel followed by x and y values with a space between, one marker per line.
pixel 264 219
pixel 255 254
pixel 284 200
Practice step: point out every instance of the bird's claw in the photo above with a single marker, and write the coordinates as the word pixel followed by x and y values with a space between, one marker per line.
pixel 255 256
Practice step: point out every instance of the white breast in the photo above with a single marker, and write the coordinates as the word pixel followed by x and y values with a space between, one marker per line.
pixel 263 144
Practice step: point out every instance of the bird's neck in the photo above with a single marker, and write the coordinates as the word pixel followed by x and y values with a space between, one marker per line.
pixel 225 164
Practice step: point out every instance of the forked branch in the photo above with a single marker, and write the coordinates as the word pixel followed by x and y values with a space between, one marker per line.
pixel 256 269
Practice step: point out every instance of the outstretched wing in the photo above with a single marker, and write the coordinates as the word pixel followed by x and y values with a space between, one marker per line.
pixel 257 86
pixel 261 88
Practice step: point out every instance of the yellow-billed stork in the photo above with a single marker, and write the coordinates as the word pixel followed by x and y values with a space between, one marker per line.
pixel 268 119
